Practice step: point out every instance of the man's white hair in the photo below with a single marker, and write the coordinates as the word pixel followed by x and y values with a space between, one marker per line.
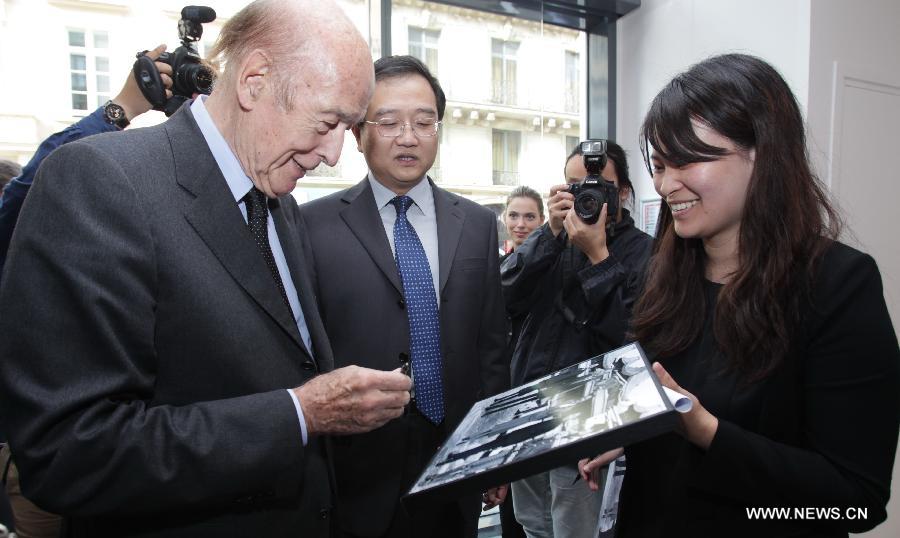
pixel 299 36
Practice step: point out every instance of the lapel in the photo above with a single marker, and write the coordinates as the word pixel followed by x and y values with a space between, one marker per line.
pixel 450 220
pixel 216 218
pixel 363 219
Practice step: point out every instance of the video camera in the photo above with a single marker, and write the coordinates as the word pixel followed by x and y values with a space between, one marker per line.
pixel 594 191
pixel 189 75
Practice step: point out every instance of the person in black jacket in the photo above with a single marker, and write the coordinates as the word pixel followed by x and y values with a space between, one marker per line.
pixel 778 332
pixel 524 213
pixel 575 283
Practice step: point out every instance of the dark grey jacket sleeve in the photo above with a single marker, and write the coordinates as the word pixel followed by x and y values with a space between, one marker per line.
pixel 80 364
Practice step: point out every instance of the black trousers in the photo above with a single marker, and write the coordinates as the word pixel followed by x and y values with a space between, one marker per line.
pixel 452 519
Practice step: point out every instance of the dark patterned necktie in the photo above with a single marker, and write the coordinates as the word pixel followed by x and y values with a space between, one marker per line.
pixel 257 217
pixel 421 308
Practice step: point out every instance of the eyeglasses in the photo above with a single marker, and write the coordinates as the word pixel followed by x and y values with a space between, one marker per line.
pixel 390 128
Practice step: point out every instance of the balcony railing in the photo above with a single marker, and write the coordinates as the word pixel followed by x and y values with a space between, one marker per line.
pixel 573 101
pixel 506 177
pixel 503 93
pixel 323 170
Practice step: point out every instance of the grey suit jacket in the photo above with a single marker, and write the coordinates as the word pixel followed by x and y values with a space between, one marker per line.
pixel 361 300
pixel 146 348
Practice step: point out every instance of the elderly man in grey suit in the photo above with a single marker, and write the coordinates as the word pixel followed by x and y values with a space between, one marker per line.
pixel 162 350
pixel 425 260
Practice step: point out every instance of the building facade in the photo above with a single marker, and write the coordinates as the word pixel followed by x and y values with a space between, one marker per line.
pixel 513 86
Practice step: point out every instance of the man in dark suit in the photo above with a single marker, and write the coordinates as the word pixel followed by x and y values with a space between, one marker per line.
pixel 162 348
pixel 425 260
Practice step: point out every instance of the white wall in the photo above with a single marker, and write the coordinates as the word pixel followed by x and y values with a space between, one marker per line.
pixel 854 105
pixel 842 60
pixel 466 155
pixel 542 161
pixel 664 37
pixel 854 111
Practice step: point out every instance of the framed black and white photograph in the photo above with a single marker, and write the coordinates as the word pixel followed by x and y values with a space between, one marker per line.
pixel 599 404
pixel 650 209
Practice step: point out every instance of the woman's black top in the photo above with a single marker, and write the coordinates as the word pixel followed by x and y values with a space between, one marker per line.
pixel 812 445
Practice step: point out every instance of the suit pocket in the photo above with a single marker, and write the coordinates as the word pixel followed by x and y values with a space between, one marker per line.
pixel 471 264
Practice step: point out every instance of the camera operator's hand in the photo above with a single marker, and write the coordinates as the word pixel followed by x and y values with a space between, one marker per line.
pixel 494 497
pixel 559 205
pixel 589 468
pixel 352 400
pixel 589 238
pixel 131 99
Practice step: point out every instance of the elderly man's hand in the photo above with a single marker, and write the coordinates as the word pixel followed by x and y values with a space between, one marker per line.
pixel 352 400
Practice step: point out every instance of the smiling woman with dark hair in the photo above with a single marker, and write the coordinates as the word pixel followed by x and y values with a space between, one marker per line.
pixel 778 332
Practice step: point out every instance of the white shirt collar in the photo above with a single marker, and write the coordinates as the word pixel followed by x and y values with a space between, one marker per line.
pixel 421 194
pixel 237 180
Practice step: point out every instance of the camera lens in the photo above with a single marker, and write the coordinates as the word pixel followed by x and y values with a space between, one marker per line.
pixel 198 78
pixel 588 205
pixel 191 78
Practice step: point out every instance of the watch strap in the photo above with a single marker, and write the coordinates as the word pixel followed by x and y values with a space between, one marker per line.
pixel 115 115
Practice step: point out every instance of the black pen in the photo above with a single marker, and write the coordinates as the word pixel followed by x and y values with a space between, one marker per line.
pixel 406 369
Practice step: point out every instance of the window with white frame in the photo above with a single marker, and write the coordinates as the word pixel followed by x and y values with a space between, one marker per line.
pixel 435 171
pixel 423 44
pixel 571 142
pixel 573 68
pixel 88 69
pixel 506 145
pixel 503 71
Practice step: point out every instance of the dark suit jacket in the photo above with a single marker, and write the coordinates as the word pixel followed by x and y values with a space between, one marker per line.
pixel 146 348
pixel 361 300
pixel 817 436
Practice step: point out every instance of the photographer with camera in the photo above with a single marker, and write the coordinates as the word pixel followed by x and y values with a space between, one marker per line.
pixel 159 81
pixel 115 115
pixel 575 280
pixel 188 75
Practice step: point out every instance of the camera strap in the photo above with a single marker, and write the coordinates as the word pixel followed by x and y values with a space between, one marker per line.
pixel 568 284
pixel 149 80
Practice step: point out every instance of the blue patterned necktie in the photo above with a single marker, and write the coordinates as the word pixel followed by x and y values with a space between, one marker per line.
pixel 421 307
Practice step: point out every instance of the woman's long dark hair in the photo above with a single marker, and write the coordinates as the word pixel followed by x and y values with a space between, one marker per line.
pixel 786 224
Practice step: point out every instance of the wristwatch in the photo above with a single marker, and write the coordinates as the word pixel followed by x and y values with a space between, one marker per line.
pixel 115 115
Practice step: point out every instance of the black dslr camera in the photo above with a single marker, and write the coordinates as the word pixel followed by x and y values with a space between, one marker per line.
pixel 594 191
pixel 189 75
